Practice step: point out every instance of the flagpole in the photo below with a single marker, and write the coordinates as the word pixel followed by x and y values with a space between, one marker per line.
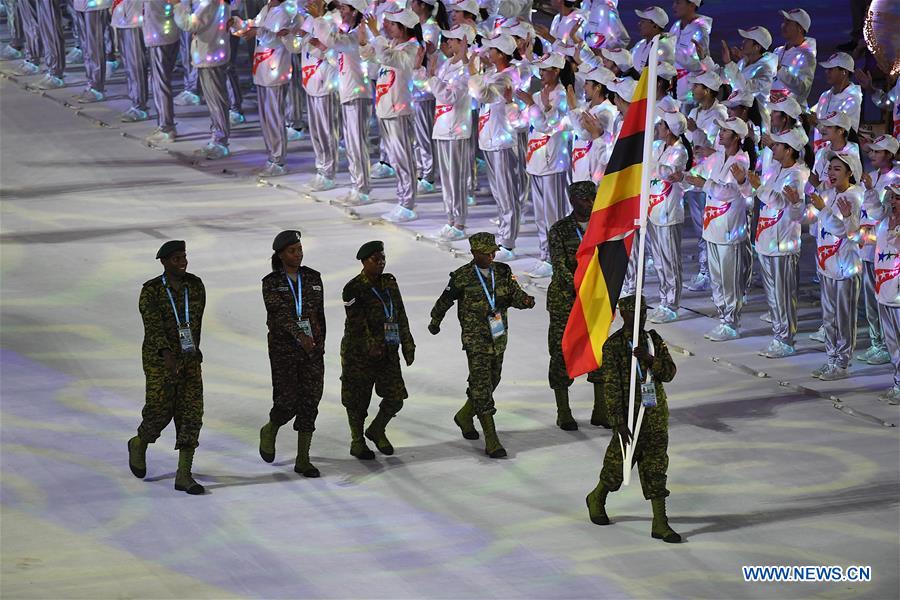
pixel 633 420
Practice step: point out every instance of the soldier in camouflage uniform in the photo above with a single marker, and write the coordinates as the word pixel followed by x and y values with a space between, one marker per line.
pixel 374 332
pixel 484 291
pixel 295 315
pixel 564 239
pixel 171 307
pixel 653 440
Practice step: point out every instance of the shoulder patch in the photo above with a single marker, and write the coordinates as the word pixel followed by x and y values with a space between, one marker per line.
pixel 318 288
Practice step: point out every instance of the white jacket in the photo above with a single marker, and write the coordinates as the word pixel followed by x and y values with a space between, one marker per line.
pixel 755 78
pixel 590 156
pixel 890 101
pixel 848 101
pixel 873 210
pixel 547 152
pixel 453 105
pixel 686 59
pixel 127 14
pixel 706 135
pixel 393 89
pixel 159 23
pixel 780 221
pixel 666 205
pixel 887 264
pixel 352 70
pixel 795 71
pixel 603 18
pixel 91 5
pixel 318 68
pixel 272 58
pixel 725 214
pixel 495 131
pixel 837 239
pixel 820 165
pixel 208 21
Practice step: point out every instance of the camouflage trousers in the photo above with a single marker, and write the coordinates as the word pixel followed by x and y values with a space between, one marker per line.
pixel 359 374
pixel 168 397
pixel 484 377
pixel 297 386
pixel 558 376
pixel 651 458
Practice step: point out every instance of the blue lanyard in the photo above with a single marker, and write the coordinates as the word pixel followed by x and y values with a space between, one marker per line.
pixel 578 231
pixel 187 314
pixel 298 294
pixel 491 296
pixel 638 363
pixel 388 313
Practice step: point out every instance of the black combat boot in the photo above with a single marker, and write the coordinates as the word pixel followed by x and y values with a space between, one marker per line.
pixel 375 432
pixel 564 418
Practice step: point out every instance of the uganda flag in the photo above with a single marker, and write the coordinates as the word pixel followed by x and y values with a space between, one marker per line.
pixel 604 251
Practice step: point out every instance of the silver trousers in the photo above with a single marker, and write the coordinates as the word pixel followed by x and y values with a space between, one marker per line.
pixel 49 20
pixel 839 300
pixel 453 161
pixel 696 202
pixel 77 23
pixel 296 96
pixel 876 338
pixel 665 240
pixel 162 63
pixel 234 84
pixel 779 274
pixel 522 174
pixel 14 22
pixel 503 180
pixel 890 326
pixel 323 131
pixel 271 121
pixel 191 77
pixel 131 44
pixel 629 284
pixel 96 22
pixel 33 47
pixel 551 203
pixel 212 82
pixel 726 274
pixel 423 124
pixel 472 171
pixel 398 136
pixel 356 141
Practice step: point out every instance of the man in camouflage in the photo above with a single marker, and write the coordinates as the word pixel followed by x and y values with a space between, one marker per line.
pixel 564 239
pixel 375 331
pixel 171 308
pixel 653 440
pixel 484 291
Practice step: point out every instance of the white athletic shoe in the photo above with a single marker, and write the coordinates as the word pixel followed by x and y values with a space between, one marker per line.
pixel 495 221
pixel 723 334
pixel 27 68
pixel 89 95
pixel 50 82
pixel 892 396
pixel 111 67
pixel 470 201
pixel 766 317
pixel 186 98
pixel 700 283
pixel 235 117
pixel 272 170
pixel 542 270
pixel 505 255
pixel 400 215
pixel 425 187
pixel 357 198
pixel 321 184
pixel 75 55
pixel 161 137
pixel 480 165
pixel 835 373
pixel 441 233
pixel 662 314
pixel 821 371
pixel 819 335
pixel 772 345
pixel 212 151
pixel 293 134
pixel 134 115
pixel 879 357
pixel 454 234
pixel 781 350
pixel 382 171
pixel 10 53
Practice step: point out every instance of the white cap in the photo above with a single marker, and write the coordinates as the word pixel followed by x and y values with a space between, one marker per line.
pixel 361 6
pixel 620 56
pixel 849 159
pixel 516 27
pixel 675 121
pixel 564 48
pixel 788 106
pixel 624 87
pixel 469 6
pixel 841 60
pixel 758 34
pixel 666 71
pixel 600 75
pixel 739 98
pixel 551 61
pixel 895 187
pixel 696 2
pixel 734 124
pixel 795 138
pixel 404 16
pixel 836 119
pixel 885 142
pixel 655 14
pixel 461 32
pixel 501 41
pixel 799 16
pixel 708 79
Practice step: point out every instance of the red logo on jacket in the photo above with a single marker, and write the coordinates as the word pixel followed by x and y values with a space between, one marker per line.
pixel 823 253
pixel 440 110
pixel 656 199
pixel 309 71
pixel 261 57
pixel 483 119
pixel 579 153
pixel 766 222
pixel 383 88
pixel 882 275
pixel 714 212
pixel 535 145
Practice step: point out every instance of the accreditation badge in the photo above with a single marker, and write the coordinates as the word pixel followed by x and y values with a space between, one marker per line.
pixel 392 334
pixel 498 329
pixel 648 395
pixel 305 327
pixel 186 339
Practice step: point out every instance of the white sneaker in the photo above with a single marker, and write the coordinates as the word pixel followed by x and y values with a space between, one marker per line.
pixel 212 151
pixel 382 171
pixel 186 98
pixel 454 234
pixel 321 184
pixel 357 198
pixel 89 95
pixel 542 270
pixel 772 345
pixel 700 283
pixel 879 357
pixel 161 137
pixel 28 68
pixel 235 117
pixel 425 187
pixel 441 234
pixel 272 170
pixel 717 330
pixel 505 255
pixel 819 335
pixel 75 55
pixel 495 221
pixel 781 350
pixel 50 82
pixel 892 396
pixel 111 67
pixel 821 370
pixel 724 334
pixel 470 201
pixel 766 317
pixel 293 134
pixel 10 53
pixel 134 115
pixel 480 165
pixel 663 314
pixel 835 373
pixel 400 215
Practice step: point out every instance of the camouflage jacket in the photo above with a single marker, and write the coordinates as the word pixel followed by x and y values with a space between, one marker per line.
pixel 563 241
pixel 364 327
pixel 473 308
pixel 160 326
pixel 281 312
pixel 616 369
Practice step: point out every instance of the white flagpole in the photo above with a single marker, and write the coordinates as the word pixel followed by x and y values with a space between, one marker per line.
pixel 634 421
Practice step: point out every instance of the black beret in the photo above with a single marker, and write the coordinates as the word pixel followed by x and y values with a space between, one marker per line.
pixel 285 239
pixel 629 303
pixel 369 248
pixel 169 248
pixel 582 189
